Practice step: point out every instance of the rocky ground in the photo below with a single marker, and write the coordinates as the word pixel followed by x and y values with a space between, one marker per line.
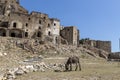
pixel 23 59
pixel 93 69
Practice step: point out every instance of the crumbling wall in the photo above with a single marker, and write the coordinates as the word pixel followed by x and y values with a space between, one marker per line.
pixel 70 34
pixel 38 25
pixel 3 32
pixel 55 26
pixel 15 21
pixel 2 8
pixel 104 45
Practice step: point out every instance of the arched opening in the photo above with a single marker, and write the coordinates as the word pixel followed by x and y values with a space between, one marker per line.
pixel 49 33
pixel 14 24
pixel 16 33
pixel 44 17
pixel 40 22
pixel 26 34
pixel 48 25
pixel 28 18
pixel 2 32
pixel 26 24
pixel 12 35
pixel 39 34
pixel 54 24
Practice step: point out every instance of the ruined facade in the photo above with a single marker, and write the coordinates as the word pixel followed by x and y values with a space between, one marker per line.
pixel 104 45
pixel 15 21
pixel 71 34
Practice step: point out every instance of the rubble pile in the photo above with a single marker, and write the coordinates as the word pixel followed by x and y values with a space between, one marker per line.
pixel 33 64
pixel 35 47
pixel 11 74
pixel 97 52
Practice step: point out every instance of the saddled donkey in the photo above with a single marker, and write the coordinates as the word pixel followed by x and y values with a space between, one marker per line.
pixel 72 60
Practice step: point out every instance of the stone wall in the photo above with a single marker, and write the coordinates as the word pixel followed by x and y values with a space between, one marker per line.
pixel 104 45
pixel 15 21
pixel 70 34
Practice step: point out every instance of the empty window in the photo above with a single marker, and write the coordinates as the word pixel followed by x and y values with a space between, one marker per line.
pixel 48 25
pixel 40 22
pixel 44 17
pixel 26 34
pixel 13 35
pixel 28 18
pixel 49 33
pixel 26 24
pixel 39 34
pixel 54 24
pixel 4 34
pixel 39 27
pixel 14 25
pixel 8 14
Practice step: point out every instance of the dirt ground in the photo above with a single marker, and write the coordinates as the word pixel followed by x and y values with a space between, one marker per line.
pixel 92 69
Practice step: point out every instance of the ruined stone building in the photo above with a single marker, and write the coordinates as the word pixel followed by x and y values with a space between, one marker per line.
pixel 15 21
pixel 71 34
pixel 104 45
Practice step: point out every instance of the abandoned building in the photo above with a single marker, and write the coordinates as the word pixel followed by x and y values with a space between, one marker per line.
pixel 104 45
pixel 16 21
pixel 71 34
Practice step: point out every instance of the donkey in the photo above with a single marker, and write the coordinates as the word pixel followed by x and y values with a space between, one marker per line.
pixel 70 61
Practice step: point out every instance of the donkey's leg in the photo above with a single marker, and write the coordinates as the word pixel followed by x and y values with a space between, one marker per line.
pixel 79 66
pixel 76 67
pixel 71 67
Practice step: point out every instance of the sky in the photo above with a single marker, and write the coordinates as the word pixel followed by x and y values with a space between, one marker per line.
pixel 96 19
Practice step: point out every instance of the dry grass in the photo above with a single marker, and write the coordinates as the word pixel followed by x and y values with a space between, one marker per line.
pixel 91 70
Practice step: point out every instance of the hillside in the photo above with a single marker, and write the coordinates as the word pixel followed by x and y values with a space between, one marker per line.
pixel 14 51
